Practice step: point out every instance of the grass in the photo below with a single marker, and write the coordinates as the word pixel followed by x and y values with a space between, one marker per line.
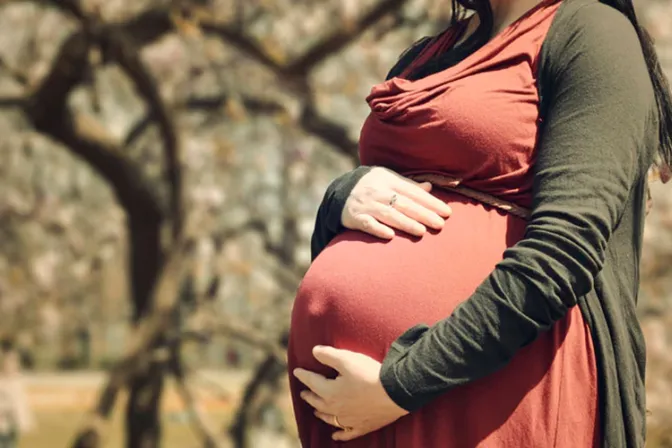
pixel 60 404
pixel 56 430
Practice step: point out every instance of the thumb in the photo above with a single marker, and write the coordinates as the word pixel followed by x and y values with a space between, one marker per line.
pixel 330 356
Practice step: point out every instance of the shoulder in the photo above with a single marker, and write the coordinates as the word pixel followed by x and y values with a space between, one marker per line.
pixel 588 27
pixel 594 14
pixel 595 42
pixel 591 26
pixel 592 58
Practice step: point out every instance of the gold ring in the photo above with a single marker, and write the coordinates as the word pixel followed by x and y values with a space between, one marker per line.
pixel 338 425
pixel 393 200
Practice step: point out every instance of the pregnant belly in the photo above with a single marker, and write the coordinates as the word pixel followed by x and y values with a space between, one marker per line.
pixel 361 293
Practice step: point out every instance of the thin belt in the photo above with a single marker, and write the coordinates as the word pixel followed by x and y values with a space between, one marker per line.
pixel 453 184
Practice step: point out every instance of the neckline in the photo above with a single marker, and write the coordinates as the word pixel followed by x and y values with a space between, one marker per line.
pixel 422 83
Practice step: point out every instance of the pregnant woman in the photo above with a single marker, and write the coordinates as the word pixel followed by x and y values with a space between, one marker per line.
pixel 512 323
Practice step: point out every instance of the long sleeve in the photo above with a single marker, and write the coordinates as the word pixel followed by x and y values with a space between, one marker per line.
pixel 595 145
pixel 328 220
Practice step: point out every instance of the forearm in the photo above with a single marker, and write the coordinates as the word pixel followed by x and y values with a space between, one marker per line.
pixel 479 338
pixel 595 145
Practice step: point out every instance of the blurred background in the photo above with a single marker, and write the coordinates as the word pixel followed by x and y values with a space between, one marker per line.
pixel 161 163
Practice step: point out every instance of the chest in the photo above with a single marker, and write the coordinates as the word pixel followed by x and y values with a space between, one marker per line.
pixel 482 124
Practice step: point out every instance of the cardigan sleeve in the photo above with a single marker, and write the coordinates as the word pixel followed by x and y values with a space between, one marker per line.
pixel 328 220
pixel 591 152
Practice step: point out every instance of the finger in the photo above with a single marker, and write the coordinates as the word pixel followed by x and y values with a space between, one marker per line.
pixel 344 436
pixel 411 190
pixel 315 401
pixel 370 225
pixel 396 219
pixel 419 213
pixel 315 382
pixel 330 356
pixel 327 418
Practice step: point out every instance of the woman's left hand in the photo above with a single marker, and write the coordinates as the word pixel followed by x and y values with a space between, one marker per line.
pixel 355 401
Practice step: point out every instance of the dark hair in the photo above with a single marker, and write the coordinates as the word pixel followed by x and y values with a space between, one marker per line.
pixel 660 83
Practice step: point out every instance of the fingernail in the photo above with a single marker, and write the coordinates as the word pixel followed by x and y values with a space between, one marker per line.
pixel 438 223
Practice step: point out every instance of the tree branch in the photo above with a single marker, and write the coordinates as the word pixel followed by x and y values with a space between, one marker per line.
pixel 329 131
pixel 89 140
pixel 13 102
pixel 69 69
pixel 324 49
pixel 216 102
pixel 185 391
pixel 244 44
pixel 310 121
pixel 341 38
pixel 147 27
pixel 205 103
pixel 268 373
pixel 228 326
pixel 120 49
pixel 144 338
pixel 46 110
pixel 17 75
pixel 72 7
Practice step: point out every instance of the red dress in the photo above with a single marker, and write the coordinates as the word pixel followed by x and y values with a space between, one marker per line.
pixel 477 121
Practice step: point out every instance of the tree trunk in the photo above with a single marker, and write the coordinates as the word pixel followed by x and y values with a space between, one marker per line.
pixel 143 417
pixel 268 374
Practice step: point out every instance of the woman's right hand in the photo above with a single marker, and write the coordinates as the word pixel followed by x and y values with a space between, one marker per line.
pixel 383 201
